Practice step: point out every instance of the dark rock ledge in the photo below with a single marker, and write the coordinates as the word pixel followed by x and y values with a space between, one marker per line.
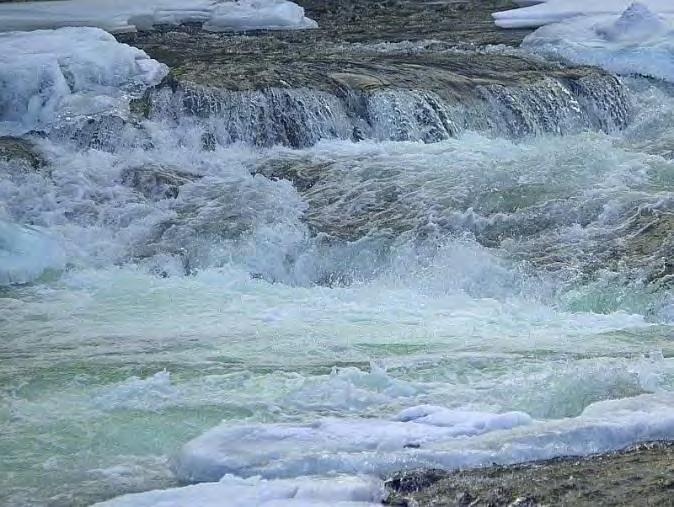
pixel 297 87
pixel 640 475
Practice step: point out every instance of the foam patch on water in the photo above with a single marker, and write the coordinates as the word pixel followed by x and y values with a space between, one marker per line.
pixel 151 393
pixel 47 75
pixel 636 41
pixel 129 15
pixel 350 389
pixel 233 491
pixel 421 437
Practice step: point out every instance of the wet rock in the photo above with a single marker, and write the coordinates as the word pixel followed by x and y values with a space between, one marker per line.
pixel 157 182
pixel 303 174
pixel 637 476
pixel 639 244
pixel 395 70
pixel 108 132
pixel 23 151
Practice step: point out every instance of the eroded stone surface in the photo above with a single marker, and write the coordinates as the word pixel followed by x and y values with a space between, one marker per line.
pixel 642 475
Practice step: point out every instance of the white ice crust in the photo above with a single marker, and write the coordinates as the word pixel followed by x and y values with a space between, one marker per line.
pixel 420 437
pixel 47 75
pixel 230 491
pixel 131 15
pixel 622 37
pixel 638 41
pixel 553 11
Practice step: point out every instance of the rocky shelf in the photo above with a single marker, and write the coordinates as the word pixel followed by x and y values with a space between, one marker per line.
pixel 641 475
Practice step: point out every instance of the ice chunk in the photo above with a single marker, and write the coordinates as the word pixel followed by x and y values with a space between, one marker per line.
pixel 554 11
pixel 637 23
pixel 329 445
pixel 257 14
pixel 129 15
pixel 420 437
pixel 47 74
pixel 638 41
pixel 233 491
pixel 26 253
pixel 463 422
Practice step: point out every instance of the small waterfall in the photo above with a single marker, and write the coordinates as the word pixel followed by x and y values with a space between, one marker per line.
pixel 595 102
pixel 294 117
pixel 300 117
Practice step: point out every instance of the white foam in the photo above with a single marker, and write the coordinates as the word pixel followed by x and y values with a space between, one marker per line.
pixel 637 41
pixel 233 491
pixel 151 393
pixel 554 11
pixel 421 437
pixel 26 253
pixel 50 74
pixel 130 15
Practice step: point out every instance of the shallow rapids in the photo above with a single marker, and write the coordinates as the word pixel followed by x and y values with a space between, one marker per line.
pixel 176 283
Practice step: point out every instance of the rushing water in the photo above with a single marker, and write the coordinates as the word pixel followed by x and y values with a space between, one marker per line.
pixel 185 283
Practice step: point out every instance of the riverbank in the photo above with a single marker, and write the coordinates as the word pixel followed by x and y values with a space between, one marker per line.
pixel 640 475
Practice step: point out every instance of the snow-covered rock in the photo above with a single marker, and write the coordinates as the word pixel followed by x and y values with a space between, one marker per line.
pixel 552 11
pixel 331 445
pixel 419 437
pixel 636 41
pixel 51 74
pixel 130 15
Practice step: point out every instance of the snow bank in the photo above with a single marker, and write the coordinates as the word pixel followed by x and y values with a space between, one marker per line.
pixel 255 492
pixel 553 11
pixel 637 41
pixel 420 437
pixel 26 253
pixel 47 74
pixel 129 15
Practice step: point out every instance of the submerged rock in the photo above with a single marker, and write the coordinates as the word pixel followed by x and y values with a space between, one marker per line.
pixel 644 473
pixel 23 151
pixel 107 132
pixel 156 182
pixel 302 173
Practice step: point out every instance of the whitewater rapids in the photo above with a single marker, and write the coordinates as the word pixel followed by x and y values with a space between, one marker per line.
pixel 292 324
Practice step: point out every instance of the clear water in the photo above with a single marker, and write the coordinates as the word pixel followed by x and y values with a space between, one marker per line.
pixel 455 274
